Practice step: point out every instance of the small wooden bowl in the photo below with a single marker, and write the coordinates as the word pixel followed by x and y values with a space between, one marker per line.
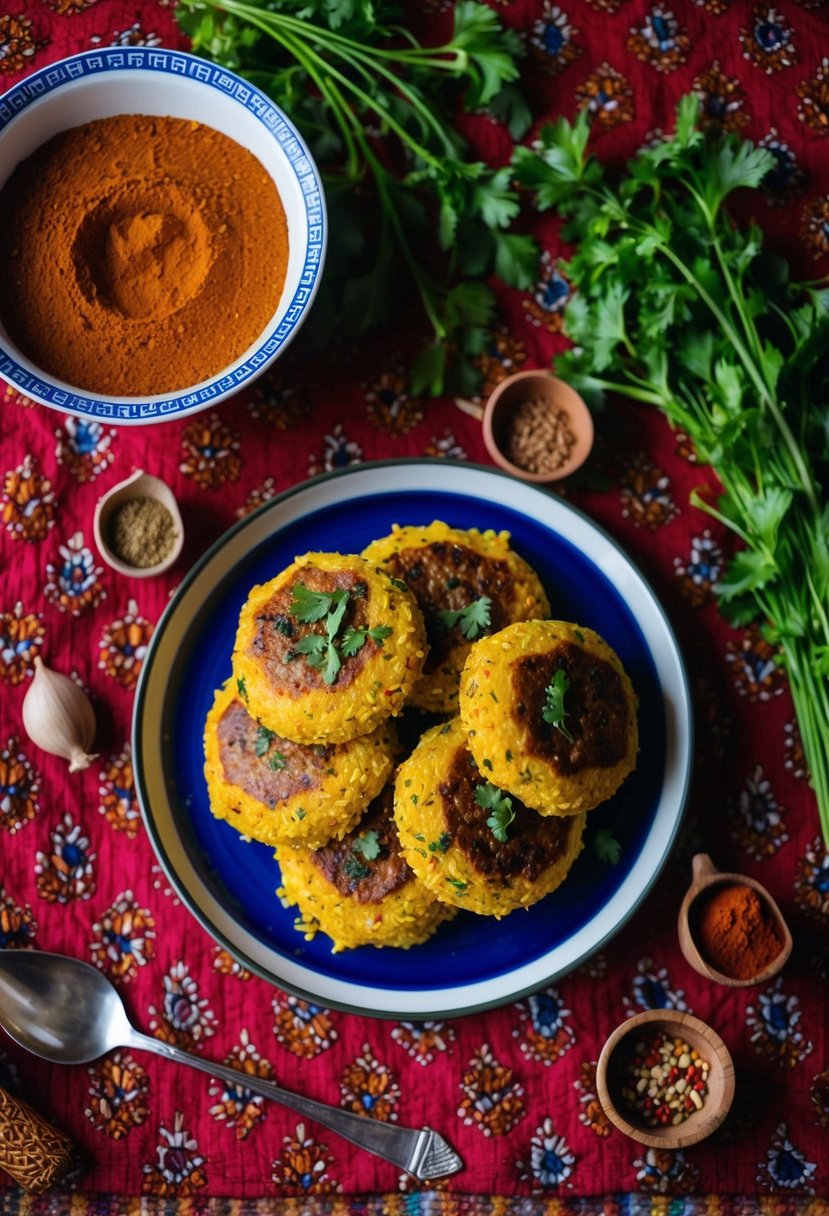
pixel 530 386
pixel 139 485
pixel 701 1038
pixel 705 876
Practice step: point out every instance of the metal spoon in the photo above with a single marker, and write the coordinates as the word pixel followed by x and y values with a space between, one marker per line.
pixel 65 1011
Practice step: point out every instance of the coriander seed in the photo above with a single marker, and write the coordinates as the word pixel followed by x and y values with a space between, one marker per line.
pixel 142 532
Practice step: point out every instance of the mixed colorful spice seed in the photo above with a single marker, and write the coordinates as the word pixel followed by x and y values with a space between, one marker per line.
pixel 664 1081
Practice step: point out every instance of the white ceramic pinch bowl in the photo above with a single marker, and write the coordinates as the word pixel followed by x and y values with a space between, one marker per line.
pixel 150 80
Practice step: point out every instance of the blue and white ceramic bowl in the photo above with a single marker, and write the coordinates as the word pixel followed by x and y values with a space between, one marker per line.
pixel 148 80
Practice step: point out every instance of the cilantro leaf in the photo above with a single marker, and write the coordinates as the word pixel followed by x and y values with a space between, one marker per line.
pixel 490 798
pixel 355 639
pixel 607 847
pixel 554 712
pixel 277 761
pixel 353 868
pixel 473 619
pixel 264 738
pixel 368 844
pixel 309 606
pixel 242 687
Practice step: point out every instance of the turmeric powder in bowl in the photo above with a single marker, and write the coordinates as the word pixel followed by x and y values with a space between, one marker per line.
pixel 139 255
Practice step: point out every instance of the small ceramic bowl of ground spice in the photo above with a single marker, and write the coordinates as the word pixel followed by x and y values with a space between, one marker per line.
pixel 665 1078
pixel 536 427
pixel 137 526
pixel 730 928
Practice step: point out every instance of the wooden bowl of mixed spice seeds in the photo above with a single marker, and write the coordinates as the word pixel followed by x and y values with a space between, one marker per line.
pixel 536 427
pixel 665 1079
pixel 137 526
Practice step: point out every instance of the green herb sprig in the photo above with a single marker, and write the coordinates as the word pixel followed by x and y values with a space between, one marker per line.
pixel 324 651
pixel 554 712
pixel 490 798
pixel 679 307
pixel 473 619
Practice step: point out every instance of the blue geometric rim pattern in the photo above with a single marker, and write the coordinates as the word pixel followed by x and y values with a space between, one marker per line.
pixel 178 63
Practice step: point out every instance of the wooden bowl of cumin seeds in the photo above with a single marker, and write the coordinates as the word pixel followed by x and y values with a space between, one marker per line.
pixel 536 427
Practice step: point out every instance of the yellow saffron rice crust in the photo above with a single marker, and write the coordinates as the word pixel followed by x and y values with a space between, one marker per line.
pixel 281 792
pixel 360 892
pixel 502 703
pixel 446 569
pixel 289 696
pixel 449 845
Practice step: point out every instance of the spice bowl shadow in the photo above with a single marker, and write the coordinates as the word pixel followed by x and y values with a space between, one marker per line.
pixel 615 1061
pixel 707 880
pixel 534 411
pixel 139 485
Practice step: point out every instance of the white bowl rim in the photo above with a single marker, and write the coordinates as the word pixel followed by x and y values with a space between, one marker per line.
pixel 126 411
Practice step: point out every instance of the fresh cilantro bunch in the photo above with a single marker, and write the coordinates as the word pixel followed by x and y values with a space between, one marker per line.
pixel 678 306
pixel 406 201
pixel 473 619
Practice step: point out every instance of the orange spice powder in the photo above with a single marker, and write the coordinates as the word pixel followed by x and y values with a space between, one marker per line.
pixel 735 930
pixel 139 255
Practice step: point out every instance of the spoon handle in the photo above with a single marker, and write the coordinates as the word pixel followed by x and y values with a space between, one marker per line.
pixel 423 1153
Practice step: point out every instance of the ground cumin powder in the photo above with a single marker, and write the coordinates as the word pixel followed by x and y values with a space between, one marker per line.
pixel 139 255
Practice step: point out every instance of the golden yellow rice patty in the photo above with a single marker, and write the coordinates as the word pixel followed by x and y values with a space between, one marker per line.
pixel 281 792
pixel 447 569
pixel 360 891
pixel 565 742
pixel 470 843
pixel 328 649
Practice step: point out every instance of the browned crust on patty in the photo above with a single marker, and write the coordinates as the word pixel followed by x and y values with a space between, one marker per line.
pixel 368 880
pixel 263 764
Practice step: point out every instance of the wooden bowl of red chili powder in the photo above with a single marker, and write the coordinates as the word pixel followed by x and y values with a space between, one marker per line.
pixel 161 234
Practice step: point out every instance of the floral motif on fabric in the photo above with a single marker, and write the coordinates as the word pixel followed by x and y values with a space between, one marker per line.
pixel 606 6
pixel 237 1106
pixel 445 445
pixel 715 7
pixel 607 96
pixel 663 1172
pixel 123 646
pixel 814 225
pixel 370 1088
pixel 547 1034
pixel 785 1168
pixel 545 309
pixel 277 404
pixel 699 574
pixel 773 1027
pixel 124 938
pixel 18 45
pixel 84 447
pixel 338 452
pixel 117 1095
pixel 178 1170
pixel 813 107
pixel 13 394
pixel 551 1160
pixel 811 883
pixel 73 584
pixel 302 1167
pixel 646 495
pixel 210 452
pixel 21 639
pixel 786 179
pixel 769 44
pixel 185 1019
pixel 257 498
pixel 722 100
pixel 591 1113
pixel 66 8
pixel 502 355
pixel 67 870
pixel 28 510
pixel 493 1100
pixel 19 787
pixel 552 39
pixel 757 821
pixel 423 1041
pixel 18 926
pixel 685 447
pixel 226 964
pixel 133 35
pixel 118 802
pixel 755 667
pixel 819 1095
pixel 390 408
pixel 304 1028
pixel 660 40
pixel 651 988
pixel 794 758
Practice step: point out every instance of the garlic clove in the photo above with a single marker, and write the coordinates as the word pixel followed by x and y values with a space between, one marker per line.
pixel 58 716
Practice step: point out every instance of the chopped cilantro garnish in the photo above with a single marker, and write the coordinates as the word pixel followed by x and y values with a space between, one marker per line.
pixel 554 712
pixel 299 813
pixel 579 635
pixel 473 619
pixel 277 761
pixel 607 847
pixel 242 687
pixel 368 844
pixel 309 606
pixel 457 884
pixel 492 799
pixel 399 584
pixel 264 738
pixel 355 639
pixel 354 868
pixel 441 844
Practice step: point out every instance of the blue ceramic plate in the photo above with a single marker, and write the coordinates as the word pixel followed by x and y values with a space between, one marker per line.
pixel 473 962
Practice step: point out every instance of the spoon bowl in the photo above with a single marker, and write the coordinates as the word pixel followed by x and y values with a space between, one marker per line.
pixel 706 876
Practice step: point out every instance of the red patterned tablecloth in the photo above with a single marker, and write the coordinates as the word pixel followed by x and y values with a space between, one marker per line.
pixel 512 1089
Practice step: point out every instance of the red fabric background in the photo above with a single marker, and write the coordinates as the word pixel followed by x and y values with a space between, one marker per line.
pixel 149 1127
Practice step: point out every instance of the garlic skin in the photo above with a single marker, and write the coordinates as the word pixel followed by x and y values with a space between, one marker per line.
pixel 58 716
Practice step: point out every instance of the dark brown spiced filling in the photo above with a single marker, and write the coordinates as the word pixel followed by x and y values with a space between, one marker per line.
pixel 366 864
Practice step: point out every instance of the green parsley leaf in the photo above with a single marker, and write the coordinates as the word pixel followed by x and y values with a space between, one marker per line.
pixel 264 738
pixel 242 687
pixel 554 712
pixel 368 844
pixel 277 761
pixel 354 639
pixel 490 798
pixel 354 868
pixel 309 606
pixel 473 619
pixel 441 844
pixel 607 847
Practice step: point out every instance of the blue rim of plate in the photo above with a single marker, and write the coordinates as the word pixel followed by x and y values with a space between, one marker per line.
pixel 126 410
pixel 214 876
